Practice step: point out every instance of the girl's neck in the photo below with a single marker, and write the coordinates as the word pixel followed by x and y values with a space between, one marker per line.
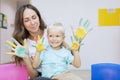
pixel 34 36
pixel 56 48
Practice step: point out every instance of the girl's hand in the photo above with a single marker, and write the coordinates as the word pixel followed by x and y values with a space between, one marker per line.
pixel 40 47
pixel 79 34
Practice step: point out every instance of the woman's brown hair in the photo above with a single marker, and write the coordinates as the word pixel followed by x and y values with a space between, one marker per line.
pixel 20 33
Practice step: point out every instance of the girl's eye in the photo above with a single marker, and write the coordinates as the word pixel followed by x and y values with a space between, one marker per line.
pixel 57 35
pixel 50 35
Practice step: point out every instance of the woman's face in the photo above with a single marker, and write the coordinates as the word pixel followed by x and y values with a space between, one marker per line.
pixel 31 20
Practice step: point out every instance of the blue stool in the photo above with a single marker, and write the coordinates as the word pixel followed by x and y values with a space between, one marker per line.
pixel 105 71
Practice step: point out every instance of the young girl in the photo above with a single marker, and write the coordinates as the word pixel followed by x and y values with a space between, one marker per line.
pixel 55 59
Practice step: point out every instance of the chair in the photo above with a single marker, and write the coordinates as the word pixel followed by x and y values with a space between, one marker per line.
pixel 13 72
pixel 105 71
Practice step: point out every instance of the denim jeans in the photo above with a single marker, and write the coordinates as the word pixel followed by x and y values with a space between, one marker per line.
pixel 42 78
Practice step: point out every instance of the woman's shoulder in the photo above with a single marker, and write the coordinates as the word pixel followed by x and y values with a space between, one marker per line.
pixel 29 41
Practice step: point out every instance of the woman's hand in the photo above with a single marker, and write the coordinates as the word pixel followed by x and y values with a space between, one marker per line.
pixel 17 48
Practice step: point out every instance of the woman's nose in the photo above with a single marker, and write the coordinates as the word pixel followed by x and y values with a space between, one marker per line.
pixel 32 21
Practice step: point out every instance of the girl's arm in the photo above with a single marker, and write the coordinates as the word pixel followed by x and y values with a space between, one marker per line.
pixel 31 71
pixel 76 62
pixel 36 60
pixel 39 47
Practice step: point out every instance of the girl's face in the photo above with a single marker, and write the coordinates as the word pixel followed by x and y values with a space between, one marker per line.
pixel 55 38
pixel 31 20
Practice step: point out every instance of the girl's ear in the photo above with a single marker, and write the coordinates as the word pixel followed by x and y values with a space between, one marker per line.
pixel 64 37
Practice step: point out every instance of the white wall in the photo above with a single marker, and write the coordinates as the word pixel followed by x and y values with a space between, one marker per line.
pixel 0 33
pixel 8 7
pixel 102 43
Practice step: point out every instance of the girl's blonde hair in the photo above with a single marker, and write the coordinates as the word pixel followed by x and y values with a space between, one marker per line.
pixel 57 25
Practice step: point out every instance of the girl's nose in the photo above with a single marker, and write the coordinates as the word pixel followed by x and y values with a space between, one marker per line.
pixel 53 38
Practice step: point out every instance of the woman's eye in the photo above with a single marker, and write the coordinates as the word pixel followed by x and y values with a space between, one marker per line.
pixel 26 20
pixel 34 17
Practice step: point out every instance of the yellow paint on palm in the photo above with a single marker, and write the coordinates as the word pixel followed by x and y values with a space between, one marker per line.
pixel 25 43
pixel 80 33
pixel 75 45
pixel 38 38
pixel 39 46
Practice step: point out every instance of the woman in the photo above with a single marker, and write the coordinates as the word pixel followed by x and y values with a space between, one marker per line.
pixel 28 25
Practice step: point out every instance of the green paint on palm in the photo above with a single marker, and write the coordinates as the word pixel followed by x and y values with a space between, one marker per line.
pixel 21 51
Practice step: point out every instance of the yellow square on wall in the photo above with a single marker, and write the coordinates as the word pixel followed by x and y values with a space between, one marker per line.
pixel 109 17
